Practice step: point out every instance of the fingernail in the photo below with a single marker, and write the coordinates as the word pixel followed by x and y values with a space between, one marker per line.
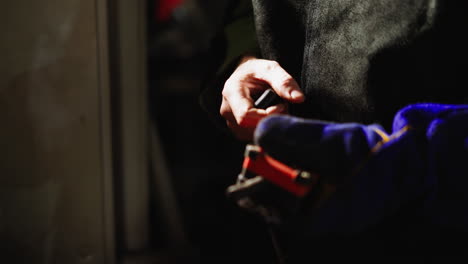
pixel 295 94
pixel 276 109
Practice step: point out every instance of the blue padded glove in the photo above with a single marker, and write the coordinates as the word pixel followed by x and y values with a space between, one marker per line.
pixel 329 149
pixel 421 168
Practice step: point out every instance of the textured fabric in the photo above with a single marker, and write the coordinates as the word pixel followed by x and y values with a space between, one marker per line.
pixel 317 146
pixel 361 61
pixel 412 181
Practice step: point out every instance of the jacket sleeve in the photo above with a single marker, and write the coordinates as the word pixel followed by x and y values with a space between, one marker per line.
pixel 240 40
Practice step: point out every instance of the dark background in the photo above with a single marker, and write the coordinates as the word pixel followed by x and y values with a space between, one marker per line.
pixel 186 53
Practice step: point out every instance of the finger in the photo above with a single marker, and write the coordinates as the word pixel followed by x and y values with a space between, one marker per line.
pixel 252 117
pixel 281 81
pixel 249 119
pixel 241 106
pixel 276 109
pixel 237 97
pixel 225 110
pixel 243 134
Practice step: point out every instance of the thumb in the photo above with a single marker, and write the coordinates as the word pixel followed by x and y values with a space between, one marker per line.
pixel 281 82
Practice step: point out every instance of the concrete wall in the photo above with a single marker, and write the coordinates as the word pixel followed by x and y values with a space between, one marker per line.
pixel 55 199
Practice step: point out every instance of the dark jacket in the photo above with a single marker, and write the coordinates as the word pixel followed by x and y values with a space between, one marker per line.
pixel 361 61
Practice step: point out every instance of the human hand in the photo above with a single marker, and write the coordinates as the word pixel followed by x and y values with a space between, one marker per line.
pixel 251 78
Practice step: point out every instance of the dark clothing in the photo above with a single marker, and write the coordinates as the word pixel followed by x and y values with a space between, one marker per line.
pixel 361 61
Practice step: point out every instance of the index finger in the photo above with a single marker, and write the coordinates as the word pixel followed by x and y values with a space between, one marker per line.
pixel 243 110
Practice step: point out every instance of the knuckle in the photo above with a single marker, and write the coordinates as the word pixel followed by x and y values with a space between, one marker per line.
pixel 271 65
pixel 286 81
pixel 230 86
pixel 224 110
pixel 224 93
pixel 246 64
pixel 226 88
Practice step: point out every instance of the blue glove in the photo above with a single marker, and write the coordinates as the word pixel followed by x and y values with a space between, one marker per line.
pixel 368 176
pixel 328 149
